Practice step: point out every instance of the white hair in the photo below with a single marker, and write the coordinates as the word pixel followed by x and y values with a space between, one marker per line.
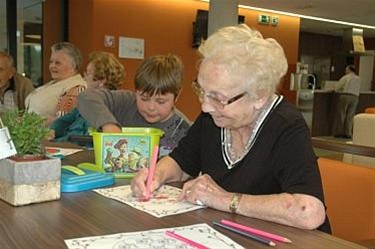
pixel 243 51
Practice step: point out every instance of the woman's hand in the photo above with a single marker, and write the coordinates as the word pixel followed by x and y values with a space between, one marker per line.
pixel 138 184
pixel 203 190
pixel 49 120
pixel 51 135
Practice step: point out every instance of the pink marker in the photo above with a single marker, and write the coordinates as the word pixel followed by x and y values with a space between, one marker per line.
pixel 186 240
pixel 255 231
pixel 151 171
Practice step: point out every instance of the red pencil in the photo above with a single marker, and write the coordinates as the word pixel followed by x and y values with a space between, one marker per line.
pixel 256 231
pixel 151 171
pixel 186 240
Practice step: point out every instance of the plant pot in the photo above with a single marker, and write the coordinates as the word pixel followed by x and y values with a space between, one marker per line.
pixel 23 183
pixel 27 158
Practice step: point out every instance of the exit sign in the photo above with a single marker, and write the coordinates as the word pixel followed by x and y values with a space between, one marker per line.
pixel 275 21
pixel 264 19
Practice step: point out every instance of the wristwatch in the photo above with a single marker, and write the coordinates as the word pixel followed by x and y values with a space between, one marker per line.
pixel 234 202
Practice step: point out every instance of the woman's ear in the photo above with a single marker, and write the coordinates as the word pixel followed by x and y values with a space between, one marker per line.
pixel 101 83
pixel 259 103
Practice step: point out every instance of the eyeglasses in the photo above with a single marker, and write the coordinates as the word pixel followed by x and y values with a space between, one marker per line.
pixel 215 102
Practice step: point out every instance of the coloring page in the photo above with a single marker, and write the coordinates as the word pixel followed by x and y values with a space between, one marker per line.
pixel 163 203
pixel 56 152
pixel 200 233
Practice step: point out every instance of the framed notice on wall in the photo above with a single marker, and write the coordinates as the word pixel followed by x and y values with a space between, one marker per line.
pixel 132 48
pixel 358 44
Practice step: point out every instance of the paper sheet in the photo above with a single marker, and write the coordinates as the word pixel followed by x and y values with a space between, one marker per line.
pixel 57 152
pixel 201 233
pixel 163 203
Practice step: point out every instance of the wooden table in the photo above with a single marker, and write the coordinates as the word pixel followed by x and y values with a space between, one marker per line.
pixel 75 215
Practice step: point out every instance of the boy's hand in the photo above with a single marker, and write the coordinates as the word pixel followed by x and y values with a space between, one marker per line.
pixel 111 128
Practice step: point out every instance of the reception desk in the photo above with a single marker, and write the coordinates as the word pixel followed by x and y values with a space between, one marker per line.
pixel 324 110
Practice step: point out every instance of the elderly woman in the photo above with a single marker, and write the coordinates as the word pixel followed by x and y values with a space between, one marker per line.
pixel 58 97
pixel 103 71
pixel 249 152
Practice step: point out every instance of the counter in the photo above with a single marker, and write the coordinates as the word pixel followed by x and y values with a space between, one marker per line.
pixel 324 110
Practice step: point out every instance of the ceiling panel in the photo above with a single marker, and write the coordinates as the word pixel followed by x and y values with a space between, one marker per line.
pixel 355 11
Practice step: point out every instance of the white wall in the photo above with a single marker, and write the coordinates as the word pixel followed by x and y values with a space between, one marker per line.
pixel 366 65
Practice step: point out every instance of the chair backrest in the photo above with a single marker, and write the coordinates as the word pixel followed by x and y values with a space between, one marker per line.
pixel 350 198
pixel 364 134
pixel 370 110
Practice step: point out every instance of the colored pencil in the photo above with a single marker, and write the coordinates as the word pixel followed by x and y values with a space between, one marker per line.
pixel 186 240
pixel 151 171
pixel 256 231
pixel 249 235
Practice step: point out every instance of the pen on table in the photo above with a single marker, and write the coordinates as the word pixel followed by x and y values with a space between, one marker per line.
pixel 186 240
pixel 251 236
pixel 256 231
pixel 151 171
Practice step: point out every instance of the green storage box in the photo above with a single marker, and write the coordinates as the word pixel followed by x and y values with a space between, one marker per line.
pixel 125 153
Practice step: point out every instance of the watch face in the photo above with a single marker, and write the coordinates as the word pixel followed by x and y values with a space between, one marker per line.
pixel 234 202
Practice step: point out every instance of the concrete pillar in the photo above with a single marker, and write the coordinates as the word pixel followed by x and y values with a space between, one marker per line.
pixel 222 13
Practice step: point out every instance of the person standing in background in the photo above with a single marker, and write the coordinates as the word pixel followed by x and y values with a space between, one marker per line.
pixel 14 87
pixel 58 97
pixel 347 90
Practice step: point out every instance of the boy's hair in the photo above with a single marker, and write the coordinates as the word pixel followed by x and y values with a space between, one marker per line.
pixel 107 67
pixel 160 74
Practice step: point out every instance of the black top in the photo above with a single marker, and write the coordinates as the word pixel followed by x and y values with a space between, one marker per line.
pixel 280 161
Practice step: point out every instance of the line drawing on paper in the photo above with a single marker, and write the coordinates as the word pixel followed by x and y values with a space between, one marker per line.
pixel 201 233
pixel 164 202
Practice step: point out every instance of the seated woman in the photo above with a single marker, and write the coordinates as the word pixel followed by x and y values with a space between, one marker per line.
pixel 249 152
pixel 58 97
pixel 103 71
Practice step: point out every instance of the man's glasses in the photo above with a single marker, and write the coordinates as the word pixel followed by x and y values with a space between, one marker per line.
pixel 215 102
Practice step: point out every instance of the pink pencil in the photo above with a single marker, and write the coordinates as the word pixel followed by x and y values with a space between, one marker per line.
pixel 256 231
pixel 186 240
pixel 151 171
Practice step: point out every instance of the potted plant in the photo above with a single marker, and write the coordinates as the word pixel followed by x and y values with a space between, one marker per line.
pixel 27 132
pixel 28 177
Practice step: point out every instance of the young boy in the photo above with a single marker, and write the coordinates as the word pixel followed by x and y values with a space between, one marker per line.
pixel 158 82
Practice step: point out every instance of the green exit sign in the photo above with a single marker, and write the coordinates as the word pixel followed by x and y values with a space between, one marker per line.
pixel 275 21
pixel 264 19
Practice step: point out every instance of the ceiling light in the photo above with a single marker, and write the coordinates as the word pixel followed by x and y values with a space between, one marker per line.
pixel 307 17
pixel 34 36
pixel 303 16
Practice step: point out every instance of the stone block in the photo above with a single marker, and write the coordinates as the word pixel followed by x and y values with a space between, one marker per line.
pixel 23 183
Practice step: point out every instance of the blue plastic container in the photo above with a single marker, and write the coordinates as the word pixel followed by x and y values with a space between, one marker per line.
pixel 74 179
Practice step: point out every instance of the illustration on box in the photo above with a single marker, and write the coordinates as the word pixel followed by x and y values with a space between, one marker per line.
pixel 125 155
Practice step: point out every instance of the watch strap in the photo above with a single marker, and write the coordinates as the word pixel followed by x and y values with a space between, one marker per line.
pixel 236 198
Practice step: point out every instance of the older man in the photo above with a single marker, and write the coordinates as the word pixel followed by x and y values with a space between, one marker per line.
pixel 347 90
pixel 14 87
